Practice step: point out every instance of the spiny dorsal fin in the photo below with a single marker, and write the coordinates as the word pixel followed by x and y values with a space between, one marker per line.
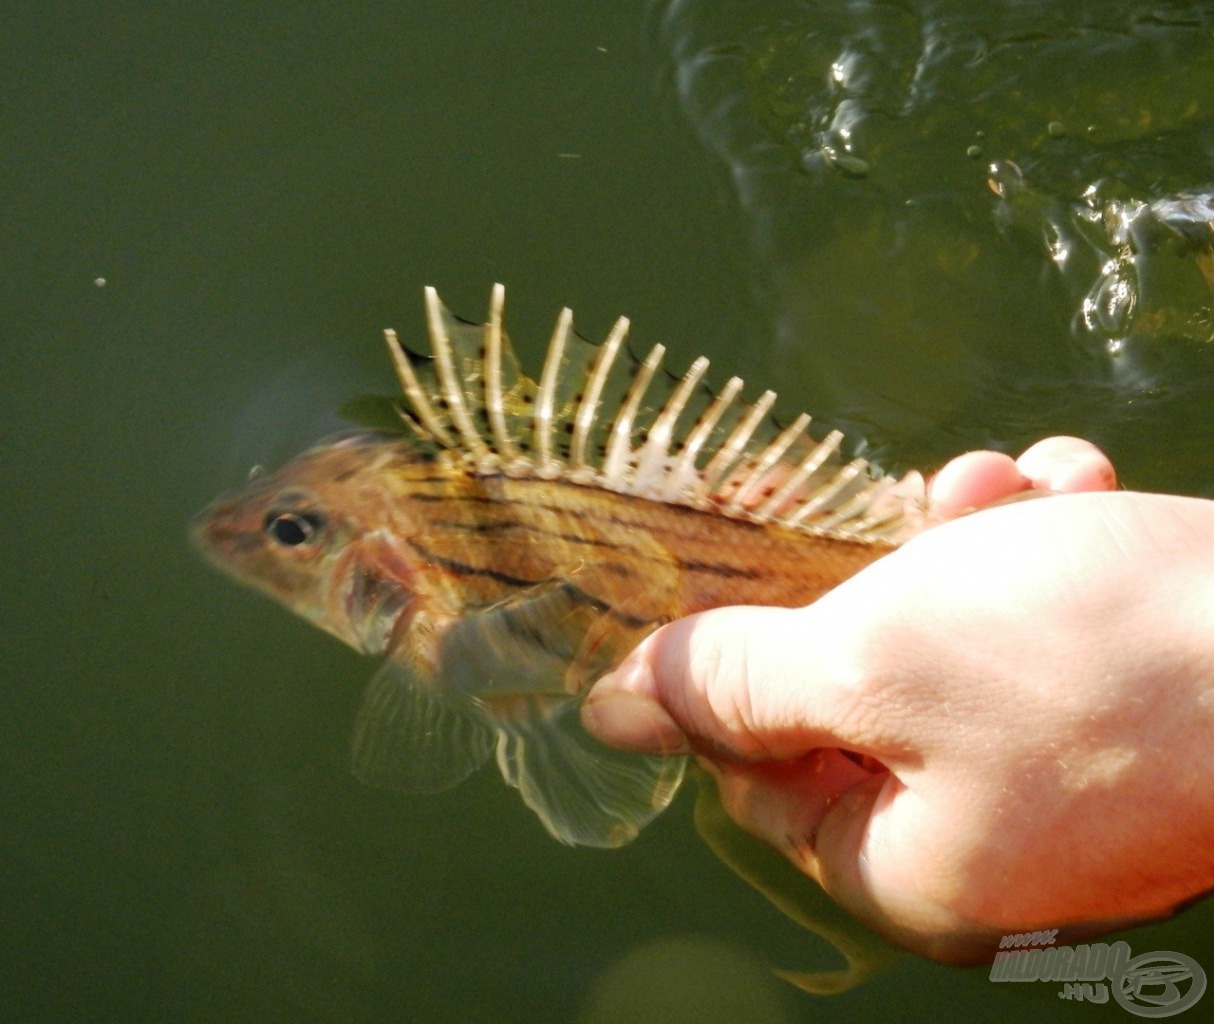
pixel 600 416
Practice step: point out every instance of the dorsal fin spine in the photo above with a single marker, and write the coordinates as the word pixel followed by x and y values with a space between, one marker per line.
pixel 855 506
pixel 494 403
pixel 882 514
pixel 682 475
pixel 826 494
pixel 587 410
pixel 409 383
pixel 411 424
pixel 457 409
pixel 767 459
pixel 724 459
pixel 844 503
pixel 809 465
pixel 546 395
pixel 619 448
pixel 653 463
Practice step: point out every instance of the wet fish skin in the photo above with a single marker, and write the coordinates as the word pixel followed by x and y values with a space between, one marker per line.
pixel 501 576
pixel 393 516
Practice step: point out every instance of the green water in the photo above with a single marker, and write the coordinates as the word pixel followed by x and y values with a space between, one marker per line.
pixel 209 213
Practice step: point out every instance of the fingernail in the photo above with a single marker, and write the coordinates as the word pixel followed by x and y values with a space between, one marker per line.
pixel 1082 471
pixel 632 722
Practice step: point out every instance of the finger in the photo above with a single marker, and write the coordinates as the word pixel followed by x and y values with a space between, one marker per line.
pixel 821 820
pixel 1067 464
pixel 974 480
pixel 882 853
pixel 873 844
pixel 783 803
pixel 746 684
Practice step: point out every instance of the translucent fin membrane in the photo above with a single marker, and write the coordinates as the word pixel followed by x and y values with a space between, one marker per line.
pixel 600 416
pixel 586 794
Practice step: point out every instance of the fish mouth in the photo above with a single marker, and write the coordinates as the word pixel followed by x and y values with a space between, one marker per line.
pixel 207 532
pixel 222 541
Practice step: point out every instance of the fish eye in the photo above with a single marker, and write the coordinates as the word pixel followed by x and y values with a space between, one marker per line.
pixel 290 529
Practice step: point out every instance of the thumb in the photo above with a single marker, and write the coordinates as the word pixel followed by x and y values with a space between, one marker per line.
pixel 743 684
pixel 771 697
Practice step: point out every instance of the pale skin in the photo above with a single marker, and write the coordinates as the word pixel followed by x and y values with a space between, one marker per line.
pixel 1026 694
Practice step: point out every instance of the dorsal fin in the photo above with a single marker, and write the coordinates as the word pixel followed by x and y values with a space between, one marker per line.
pixel 600 416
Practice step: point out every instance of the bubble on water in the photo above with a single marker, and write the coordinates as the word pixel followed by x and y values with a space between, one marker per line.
pixel 1004 178
pixel 100 282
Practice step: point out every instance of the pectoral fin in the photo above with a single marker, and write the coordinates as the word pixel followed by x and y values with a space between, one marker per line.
pixel 525 660
pixel 523 645
pixel 412 736
pixel 586 794
pixel 510 677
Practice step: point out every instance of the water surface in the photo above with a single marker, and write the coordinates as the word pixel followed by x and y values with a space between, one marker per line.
pixel 212 211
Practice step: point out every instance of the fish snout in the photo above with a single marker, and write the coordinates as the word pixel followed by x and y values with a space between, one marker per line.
pixel 217 531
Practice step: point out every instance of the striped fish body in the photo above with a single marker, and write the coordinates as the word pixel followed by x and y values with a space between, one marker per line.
pixel 647 559
pixel 527 537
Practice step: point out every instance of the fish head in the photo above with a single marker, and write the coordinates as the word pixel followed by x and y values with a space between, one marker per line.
pixel 319 537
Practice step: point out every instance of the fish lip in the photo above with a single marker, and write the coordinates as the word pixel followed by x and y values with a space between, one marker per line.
pixel 194 532
pixel 202 532
pixel 210 533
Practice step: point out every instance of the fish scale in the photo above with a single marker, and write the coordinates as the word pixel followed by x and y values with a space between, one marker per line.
pixel 521 538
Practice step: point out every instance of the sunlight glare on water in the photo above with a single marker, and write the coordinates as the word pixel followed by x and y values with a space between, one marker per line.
pixel 1061 283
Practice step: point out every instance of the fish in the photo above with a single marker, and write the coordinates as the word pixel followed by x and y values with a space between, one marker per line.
pixel 512 540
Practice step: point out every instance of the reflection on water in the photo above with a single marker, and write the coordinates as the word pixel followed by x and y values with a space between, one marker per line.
pixel 1023 188
pixel 687 980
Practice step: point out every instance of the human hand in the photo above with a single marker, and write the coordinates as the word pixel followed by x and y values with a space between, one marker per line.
pixel 1003 726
